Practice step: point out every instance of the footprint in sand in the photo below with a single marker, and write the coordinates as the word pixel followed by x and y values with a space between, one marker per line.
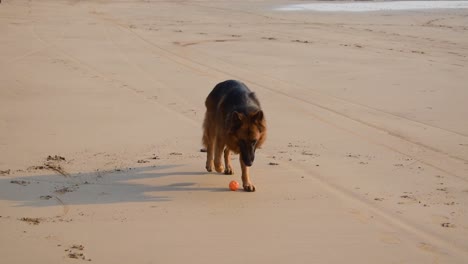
pixel 426 247
pixel 360 216
pixel 389 238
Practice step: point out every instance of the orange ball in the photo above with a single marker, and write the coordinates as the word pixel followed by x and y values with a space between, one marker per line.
pixel 233 185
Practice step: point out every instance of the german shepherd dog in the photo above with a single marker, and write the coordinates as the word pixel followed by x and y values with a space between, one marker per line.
pixel 234 121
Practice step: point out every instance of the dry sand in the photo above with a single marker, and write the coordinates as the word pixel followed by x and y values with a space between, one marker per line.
pixel 366 160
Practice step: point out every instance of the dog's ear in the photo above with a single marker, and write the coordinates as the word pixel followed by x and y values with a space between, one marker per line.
pixel 236 120
pixel 259 119
pixel 237 117
pixel 257 116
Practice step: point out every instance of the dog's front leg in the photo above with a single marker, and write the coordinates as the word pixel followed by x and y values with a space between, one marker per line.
pixel 248 186
pixel 209 156
pixel 218 155
pixel 227 162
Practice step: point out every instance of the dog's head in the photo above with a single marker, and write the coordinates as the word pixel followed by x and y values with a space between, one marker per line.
pixel 247 133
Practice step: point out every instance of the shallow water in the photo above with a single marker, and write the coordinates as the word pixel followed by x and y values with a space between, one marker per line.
pixel 374 6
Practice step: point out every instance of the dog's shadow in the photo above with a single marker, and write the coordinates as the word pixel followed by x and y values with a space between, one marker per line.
pixel 100 187
pixel 181 186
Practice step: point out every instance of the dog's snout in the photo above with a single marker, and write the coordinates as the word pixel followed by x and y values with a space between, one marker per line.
pixel 248 161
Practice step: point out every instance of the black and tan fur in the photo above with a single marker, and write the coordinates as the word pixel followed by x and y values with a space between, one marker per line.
pixel 234 121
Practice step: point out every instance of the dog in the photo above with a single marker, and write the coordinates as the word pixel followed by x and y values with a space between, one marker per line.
pixel 234 122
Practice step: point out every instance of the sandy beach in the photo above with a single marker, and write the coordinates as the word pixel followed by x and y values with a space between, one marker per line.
pixel 101 109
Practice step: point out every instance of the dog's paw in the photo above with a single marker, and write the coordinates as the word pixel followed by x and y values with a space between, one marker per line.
pixel 209 166
pixel 228 171
pixel 248 187
pixel 219 166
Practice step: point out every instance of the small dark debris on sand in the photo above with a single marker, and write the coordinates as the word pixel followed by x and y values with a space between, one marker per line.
pixel 56 168
pixel 66 189
pixel 142 161
pixel 79 247
pixel 308 153
pixel 40 167
pixel 301 41
pixel 378 199
pixel 20 182
pixel 76 255
pixel 447 225
pixel 273 163
pixel 5 172
pixel 55 158
pixel 75 252
pixel 30 220
pixel 154 157
pixel 175 153
pixel 45 197
pixel 49 165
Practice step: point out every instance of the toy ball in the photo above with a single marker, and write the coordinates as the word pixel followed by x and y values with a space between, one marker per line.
pixel 233 186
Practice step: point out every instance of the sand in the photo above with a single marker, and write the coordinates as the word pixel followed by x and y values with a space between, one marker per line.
pixel 369 6
pixel 101 106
